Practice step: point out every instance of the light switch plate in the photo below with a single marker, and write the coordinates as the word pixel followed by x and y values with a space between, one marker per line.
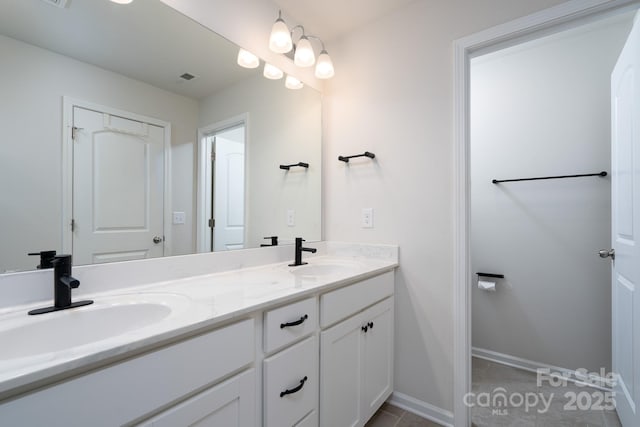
pixel 367 217
pixel 179 217
pixel 291 218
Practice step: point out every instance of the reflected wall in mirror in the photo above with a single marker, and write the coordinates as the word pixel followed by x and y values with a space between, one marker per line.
pixel 124 63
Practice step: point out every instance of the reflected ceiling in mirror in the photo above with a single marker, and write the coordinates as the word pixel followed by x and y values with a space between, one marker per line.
pixel 130 59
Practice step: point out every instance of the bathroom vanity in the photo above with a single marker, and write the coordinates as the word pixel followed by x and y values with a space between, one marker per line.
pixel 248 345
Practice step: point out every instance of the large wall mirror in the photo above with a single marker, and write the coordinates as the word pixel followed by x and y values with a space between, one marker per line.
pixel 129 131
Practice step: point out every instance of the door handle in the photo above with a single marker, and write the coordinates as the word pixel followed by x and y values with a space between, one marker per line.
pixel 604 253
pixel 157 239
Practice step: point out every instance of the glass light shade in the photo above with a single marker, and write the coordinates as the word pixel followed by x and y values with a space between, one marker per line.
pixel 122 1
pixel 247 59
pixel 324 66
pixel 280 39
pixel 304 56
pixel 271 72
pixel 293 83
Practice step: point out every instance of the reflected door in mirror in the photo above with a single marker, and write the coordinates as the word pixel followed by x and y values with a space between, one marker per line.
pixel 118 186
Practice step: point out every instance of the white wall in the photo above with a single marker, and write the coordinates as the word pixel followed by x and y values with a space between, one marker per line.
pixel 393 95
pixel 542 109
pixel 32 85
pixel 284 130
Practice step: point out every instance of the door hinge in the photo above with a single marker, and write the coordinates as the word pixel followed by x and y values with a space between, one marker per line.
pixel 212 223
pixel 213 156
pixel 73 225
pixel 74 132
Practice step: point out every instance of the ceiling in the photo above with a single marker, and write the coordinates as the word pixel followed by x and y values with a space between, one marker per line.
pixel 331 19
pixel 131 40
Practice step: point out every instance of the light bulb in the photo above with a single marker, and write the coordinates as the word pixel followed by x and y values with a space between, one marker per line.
pixel 293 83
pixel 247 59
pixel 324 66
pixel 271 72
pixel 280 39
pixel 304 56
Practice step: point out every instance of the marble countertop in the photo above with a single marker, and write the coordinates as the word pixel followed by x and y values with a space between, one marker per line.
pixel 198 303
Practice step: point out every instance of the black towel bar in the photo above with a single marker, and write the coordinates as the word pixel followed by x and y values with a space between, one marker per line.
pixel 301 164
pixel 603 173
pixel 365 154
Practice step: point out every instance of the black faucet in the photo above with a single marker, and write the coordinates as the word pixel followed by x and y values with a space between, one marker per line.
pixel 274 241
pixel 62 285
pixel 299 250
pixel 46 258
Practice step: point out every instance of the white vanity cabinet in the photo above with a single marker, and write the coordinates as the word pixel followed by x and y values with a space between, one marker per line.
pixel 356 354
pixel 127 391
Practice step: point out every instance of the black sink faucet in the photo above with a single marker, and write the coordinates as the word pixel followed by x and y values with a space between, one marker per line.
pixel 62 285
pixel 299 250
pixel 274 241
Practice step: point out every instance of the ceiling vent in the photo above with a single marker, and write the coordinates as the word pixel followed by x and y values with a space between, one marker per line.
pixel 58 3
pixel 187 76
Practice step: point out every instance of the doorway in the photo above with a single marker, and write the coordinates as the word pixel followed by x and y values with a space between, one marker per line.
pixel 540 212
pixel 543 23
pixel 222 186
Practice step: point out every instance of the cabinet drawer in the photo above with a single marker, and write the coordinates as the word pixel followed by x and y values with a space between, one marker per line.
pixel 344 302
pixel 287 324
pixel 286 371
pixel 121 393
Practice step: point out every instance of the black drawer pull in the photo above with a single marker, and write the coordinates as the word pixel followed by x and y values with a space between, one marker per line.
pixel 370 325
pixel 296 323
pixel 294 390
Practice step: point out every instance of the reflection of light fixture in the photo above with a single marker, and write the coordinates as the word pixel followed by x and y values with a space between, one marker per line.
pixel 247 59
pixel 271 72
pixel 281 41
pixel 122 1
pixel 293 83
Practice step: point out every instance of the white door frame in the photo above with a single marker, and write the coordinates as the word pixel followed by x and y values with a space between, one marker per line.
pixel 201 203
pixel 67 166
pixel 548 21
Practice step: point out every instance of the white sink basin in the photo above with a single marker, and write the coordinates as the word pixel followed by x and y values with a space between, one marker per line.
pixel 325 268
pixel 24 336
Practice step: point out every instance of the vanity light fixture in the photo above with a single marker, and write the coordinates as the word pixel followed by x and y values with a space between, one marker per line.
pixel 281 41
pixel 293 83
pixel 247 59
pixel 272 72
pixel 122 1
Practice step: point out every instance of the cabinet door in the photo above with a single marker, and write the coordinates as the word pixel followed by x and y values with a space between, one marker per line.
pixel 229 404
pixel 340 374
pixel 377 354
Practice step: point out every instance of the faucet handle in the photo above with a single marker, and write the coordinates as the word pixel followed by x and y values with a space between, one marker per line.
pixel 46 258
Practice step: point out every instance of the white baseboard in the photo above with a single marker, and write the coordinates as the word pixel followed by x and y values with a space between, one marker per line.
pixel 591 380
pixel 423 409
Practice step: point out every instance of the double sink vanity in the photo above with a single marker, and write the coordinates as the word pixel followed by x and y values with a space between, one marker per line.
pixel 219 339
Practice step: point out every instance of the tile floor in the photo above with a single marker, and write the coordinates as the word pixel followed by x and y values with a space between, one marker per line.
pixel 392 416
pixel 558 411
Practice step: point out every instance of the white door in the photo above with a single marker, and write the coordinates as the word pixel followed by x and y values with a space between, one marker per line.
pixel 118 188
pixel 228 189
pixel 625 181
